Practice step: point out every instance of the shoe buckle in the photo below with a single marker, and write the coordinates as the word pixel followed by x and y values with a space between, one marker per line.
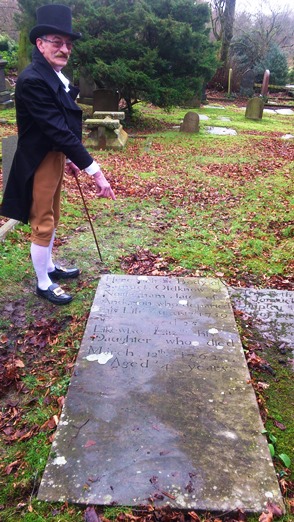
pixel 58 291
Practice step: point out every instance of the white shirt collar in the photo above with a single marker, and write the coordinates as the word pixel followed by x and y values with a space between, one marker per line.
pixel 64 80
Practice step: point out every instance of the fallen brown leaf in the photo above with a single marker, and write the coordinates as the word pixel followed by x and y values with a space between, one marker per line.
pixel 50 424
pixel 275 509
pixel 19 363
pixel 60 401
pixel 279 425
pixel 266 517
pixel 290 503
pixel 167 494
pixel 11 466
pixel 283 485
pixel 24 434
pixel 91 515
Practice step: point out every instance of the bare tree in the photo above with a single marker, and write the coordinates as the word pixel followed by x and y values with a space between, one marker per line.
pixel 258 27
pixel 222 20
pixel 265 26
pixel 263 39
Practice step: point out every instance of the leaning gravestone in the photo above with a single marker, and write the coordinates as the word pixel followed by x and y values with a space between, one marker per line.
pixel 190 122
pixel 265 83
pixel 254 109
pixel 160 407
pixel 86 86
pixel 8 150
pixel 247 83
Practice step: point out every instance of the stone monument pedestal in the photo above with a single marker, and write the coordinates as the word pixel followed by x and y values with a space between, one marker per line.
pixel 5 100
pixel 106 131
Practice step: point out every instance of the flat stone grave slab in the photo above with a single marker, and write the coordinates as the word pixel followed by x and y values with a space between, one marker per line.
pixel 272 313
pixel 222 131
pixel 160 407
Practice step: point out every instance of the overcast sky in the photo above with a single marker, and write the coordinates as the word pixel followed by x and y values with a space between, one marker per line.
pixel 263 5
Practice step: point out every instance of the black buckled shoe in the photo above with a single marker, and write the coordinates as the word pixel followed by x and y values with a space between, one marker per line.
pixel 54 294
pixel 63 273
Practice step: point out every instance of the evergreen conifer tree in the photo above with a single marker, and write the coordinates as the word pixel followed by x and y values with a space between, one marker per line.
pixel 158 51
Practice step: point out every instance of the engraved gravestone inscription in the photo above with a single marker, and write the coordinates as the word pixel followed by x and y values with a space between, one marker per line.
pixel 272 312
pixel 160 408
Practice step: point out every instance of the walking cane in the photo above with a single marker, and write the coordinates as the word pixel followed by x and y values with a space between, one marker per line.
pixel 88 216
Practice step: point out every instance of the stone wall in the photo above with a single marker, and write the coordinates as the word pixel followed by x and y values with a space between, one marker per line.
pixel 8 8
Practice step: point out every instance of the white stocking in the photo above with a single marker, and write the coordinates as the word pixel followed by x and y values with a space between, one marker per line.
pixel 39 255
pixel 50 264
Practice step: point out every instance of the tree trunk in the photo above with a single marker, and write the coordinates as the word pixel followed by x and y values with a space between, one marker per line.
pixel 227 35
pixel 23 53
pixel 129 106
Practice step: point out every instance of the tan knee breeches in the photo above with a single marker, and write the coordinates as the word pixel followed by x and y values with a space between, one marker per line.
pixel 45 209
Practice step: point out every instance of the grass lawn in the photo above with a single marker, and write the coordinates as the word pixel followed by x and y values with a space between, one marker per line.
pixel 188 205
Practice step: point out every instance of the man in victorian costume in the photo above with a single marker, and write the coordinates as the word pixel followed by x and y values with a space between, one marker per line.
pixel 49 143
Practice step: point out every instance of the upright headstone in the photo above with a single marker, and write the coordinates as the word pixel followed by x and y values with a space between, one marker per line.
pixel 8 150
pixel 190 122
pixel 87 87
pixel 254 109
pixel 160 408
pixel 5 99
pixel 265 83
pixel 105 100
pixel 247 84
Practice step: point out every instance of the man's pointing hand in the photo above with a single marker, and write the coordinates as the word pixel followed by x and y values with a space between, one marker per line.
pixel 104 188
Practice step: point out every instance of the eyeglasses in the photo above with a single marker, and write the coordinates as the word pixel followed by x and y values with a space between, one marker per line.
pixel 58 44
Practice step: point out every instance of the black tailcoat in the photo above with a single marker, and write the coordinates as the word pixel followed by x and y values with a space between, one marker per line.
pixel 47 119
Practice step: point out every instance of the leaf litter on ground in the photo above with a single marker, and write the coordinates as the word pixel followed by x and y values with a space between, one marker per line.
pixel 143 173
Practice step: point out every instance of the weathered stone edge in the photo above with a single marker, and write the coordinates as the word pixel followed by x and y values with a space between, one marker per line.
pixel 7 227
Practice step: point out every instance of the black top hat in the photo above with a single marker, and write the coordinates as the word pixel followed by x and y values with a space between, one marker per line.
pixel 53 19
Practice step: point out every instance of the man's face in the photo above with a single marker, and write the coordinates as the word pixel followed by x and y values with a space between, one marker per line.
pixel 56 49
